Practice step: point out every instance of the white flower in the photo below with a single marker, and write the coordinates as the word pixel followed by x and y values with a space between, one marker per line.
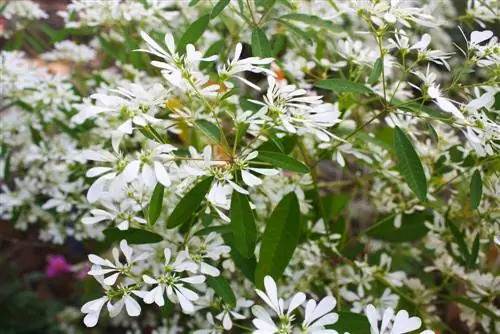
pixel 402 323
pixel 235 66
pixel 114 177
pixel 150 163
pixel 125 214
pixel 173 284
pixel 263 321
pixel 104 267
pixel 317 316
pixel 92 309
pixel 211 247
pixel 228 314
pixel 180 70
pixel 248 178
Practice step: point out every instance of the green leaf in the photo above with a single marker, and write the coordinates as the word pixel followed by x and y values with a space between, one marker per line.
pixel 243 225
pixel 343 86
pixel 282 161
pixel 474 252
pixel 459 239
pixel 417 108
pixel 132 235
pixel 354 323
pixel 214 49
pixel 193 33
pixel 190 203
pixel 312 20
pixel 376 71
pixel 306 36
pixel 432 133
pixel 476 189
pixel 155 204
pixel 221 229
pixel 222 289
pixel 279 43
pixel 476 307
pixel 36 136
pixel 412 228
pixel 409 164
pixel 279 239
pixel 193 3
pixel 219 7
pixel 209 129
pixel 260 44
pixel 245 265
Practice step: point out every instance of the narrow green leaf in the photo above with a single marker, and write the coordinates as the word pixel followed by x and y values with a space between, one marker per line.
pixel 279 43
pixel 193 33
pixel 245 265
pixel 260 44
pixel 474 252
pixel 432 133
pixel 222 289
pixel 132 235
pixel 312 20
pixel 476 307
pixel 155 204
pixel 193 3
pixel 6 166
pixel 476 189
pixel 409 164
pixel 209 129
pixel 219 7
pixel 243 225
pixel 417 108
pixel 213 49
pixel 279 239
pixel 36 136
pixel 189 204
pixel 376 71
pixel 343 86
pixel 459 239
pixel 283 161
pixel 221 229
pixel 412 228
pixel 306 36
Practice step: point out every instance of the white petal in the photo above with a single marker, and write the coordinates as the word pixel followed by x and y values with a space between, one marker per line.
pixel 250 179
pixel 110 280
pixel 132 306
pixel 161 174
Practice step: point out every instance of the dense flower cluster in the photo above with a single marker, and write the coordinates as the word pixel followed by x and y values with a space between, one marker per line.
pixel 345 151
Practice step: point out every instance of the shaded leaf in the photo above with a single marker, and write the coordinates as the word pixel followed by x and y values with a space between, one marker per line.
pixel 243 225
pixel 209 129
pixel 476 189
pixel 132 235
pixel 279 239
pixel 343 86
pixel 155 204
pixel 260 44
pixel 376 71
pixel 193 33
pixel 222 289
pixel 283 161
pixel 409 164
pixel 312 20
pixel 219 7
pixel 190 203
pixel 412 228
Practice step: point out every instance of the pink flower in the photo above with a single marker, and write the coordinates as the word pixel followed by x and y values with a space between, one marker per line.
pixel 57 265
